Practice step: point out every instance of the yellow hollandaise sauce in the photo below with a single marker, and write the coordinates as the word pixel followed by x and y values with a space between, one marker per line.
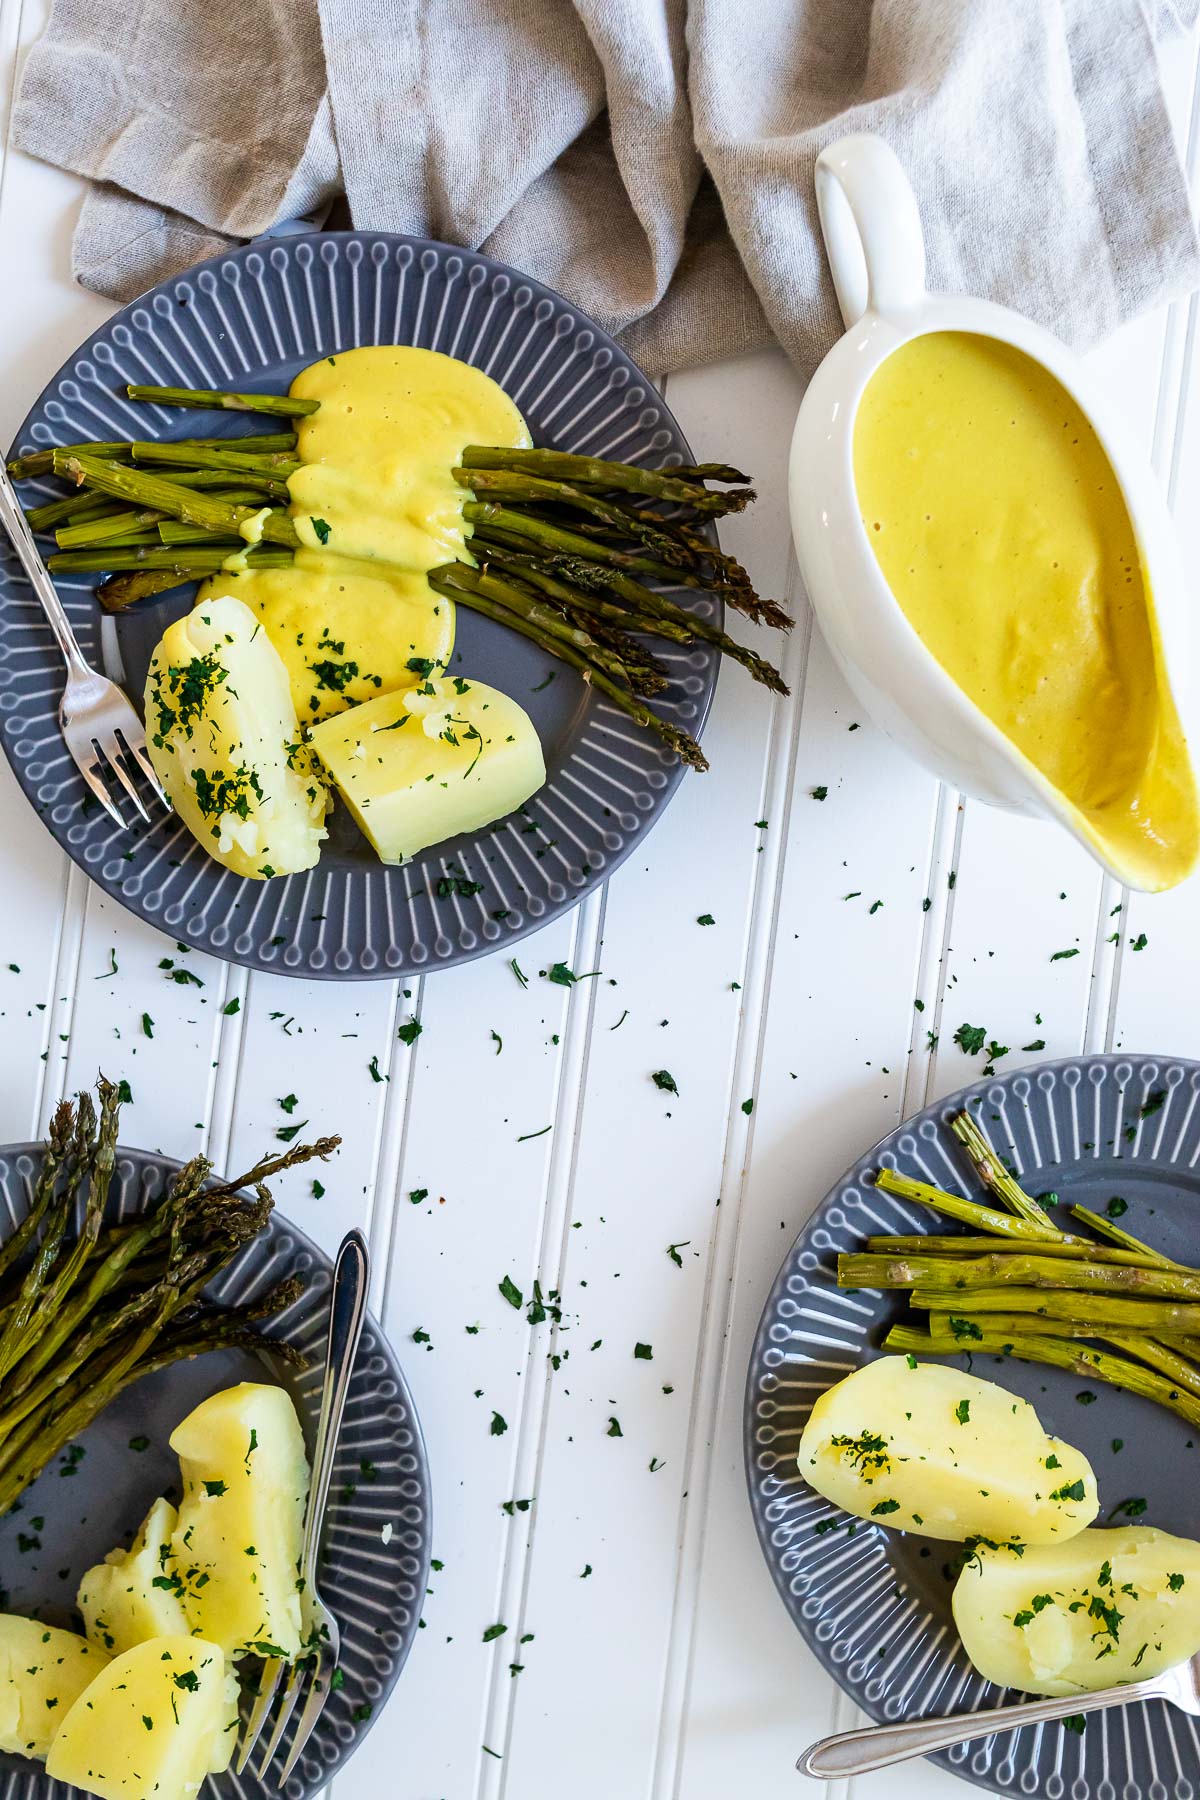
pixel 376 506
pixel 1001 529
pixel 376 459
pixel 346 630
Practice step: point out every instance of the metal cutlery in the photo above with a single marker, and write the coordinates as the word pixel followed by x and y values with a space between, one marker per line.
pixel 876 1746
pixel 102 731
pixel 313 1671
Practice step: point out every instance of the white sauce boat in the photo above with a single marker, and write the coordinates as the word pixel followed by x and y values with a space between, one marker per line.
pixel 872 232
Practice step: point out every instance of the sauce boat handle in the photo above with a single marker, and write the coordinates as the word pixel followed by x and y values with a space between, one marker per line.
pixel 871 226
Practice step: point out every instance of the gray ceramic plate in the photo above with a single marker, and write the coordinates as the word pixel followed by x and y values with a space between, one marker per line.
pixel 378 1528
pixel 251 320
pixel 875 1605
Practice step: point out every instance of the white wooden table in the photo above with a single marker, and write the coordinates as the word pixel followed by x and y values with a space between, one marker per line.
pixel 660 1662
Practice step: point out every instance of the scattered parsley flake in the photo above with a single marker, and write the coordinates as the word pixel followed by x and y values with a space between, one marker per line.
pixel 511 1292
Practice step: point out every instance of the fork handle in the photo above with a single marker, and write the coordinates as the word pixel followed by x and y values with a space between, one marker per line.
pixel 875 1746
pixel 347 1305
pixel 15 524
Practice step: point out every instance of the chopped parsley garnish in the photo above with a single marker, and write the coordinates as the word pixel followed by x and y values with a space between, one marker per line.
pixel 1021 1619
pixel 336 676
pixel 867 1453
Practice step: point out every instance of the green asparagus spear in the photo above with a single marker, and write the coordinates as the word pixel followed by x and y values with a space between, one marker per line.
pixel 41 462
pixel 188 561
pixel 58 1143
pixel 576 600
pixel 858 1270
pixel 490 526
pixel 991 1170
pixel 145 489
pixel 1125 1239
pixel 1092 1312
pixel 962 1332
pixel 508 594
pixel 965 1246
pixel 122 591
pixel 281 405
pixel 446 581
pixel 1080 1359
pixel 1179 1370
pixel 278 463
pixel 656 484
pixel 967 1212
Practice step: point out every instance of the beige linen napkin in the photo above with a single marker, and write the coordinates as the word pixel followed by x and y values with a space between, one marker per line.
pixel 651 159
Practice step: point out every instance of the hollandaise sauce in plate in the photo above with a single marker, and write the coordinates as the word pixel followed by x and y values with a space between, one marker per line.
pixel 375 507
pixel 1001 529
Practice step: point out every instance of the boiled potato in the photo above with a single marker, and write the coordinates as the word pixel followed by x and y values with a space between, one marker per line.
pixel 225 743
pixel 225 1742
pixel 43 1671
pixel 134 1594
pixel 418 767
pixel 1107 1607
pixel 926 1448
pixel 238 1536
pixel 148 1726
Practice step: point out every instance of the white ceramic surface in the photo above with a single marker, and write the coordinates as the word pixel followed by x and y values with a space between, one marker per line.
pixel 873 238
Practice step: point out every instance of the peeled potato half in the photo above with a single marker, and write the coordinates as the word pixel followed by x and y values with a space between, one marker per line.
pixel 224 739
pixel 926 1448
pixel 1107 1607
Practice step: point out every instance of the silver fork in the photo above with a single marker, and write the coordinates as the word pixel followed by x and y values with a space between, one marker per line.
pixel 347 1305
pixel 875 1746
pixel 98 723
